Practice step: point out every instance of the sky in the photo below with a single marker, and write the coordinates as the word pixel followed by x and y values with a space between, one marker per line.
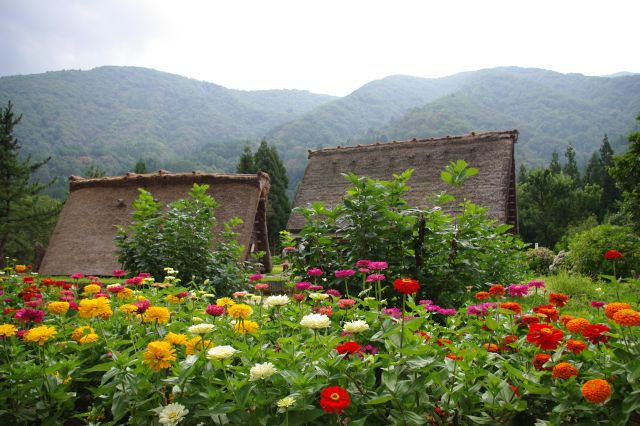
pixel 327 46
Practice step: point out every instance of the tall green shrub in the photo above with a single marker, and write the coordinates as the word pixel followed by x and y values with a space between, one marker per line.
pixel 587 251
pixel 181 238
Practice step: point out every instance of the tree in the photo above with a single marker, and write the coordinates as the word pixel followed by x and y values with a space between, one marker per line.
pixel 267 160
pixel 246 163
pixel 140 167
pixel 20 203
pixel 610 193
pixel 554 165
pixel 626 172
pixel 94 171
pixel 571 166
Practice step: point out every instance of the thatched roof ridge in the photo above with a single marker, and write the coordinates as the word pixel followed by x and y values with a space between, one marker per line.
pixel 491 152
pixel 83 240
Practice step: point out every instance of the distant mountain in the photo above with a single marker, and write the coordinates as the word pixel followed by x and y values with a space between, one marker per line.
pixel 113 116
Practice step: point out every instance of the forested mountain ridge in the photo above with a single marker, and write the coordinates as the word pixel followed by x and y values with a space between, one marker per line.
pixel 112 116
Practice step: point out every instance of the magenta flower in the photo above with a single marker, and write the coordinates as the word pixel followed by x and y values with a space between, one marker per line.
pixel 316 287
pixel 597 304
pixel 29 315
pixel 115 288
pixel 393 312
pixel 343 273
pixel 480 309
pixel 118 273
pixel 33 303
pixel 73 305
pixel 426 302
pixel 215 310
pixel 333 292
pixel 256 277
pixel 369 349
pixel 298 296
pixel 142 305
pixel 375 277
pixel 144 275
pixel 303 285
pixel 133 281
pixel 536 284
pixel 378 265
pixel 315 272
pixel 76 276
pixel 431 308
pixel 447 311
pixel 363 270
pixel 288 249
pixel 363 263
pixel 516 290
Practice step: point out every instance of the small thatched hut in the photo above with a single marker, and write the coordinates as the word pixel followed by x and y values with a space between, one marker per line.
pixel 492 153
pixel 83 240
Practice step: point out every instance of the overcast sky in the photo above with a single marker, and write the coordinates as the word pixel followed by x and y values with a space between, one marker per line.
pixel 325 46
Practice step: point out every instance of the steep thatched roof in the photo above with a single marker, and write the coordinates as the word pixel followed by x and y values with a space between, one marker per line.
pixel 492 153
pixel 83 237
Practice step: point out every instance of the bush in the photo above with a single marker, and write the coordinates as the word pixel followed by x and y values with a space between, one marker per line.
pixel 588 249
pixel 181 238
pixel 539 259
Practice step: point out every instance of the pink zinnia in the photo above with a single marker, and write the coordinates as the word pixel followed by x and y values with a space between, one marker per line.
pixel 333 292
pixel 299 297
pixel 215 310
pixel 536 284
pixel 118 273
pixel 394 312
pixel 142 305
pixel 316 287
pixel 378 265
pixel 597 304
pixel 315 272
pixel 105 295
pixel 363 263
pixel 426 302
pixel 133 281
pixel 346 303
pixel 325 310
pixel 256 277
pixel 518 290
pixel 303 285
pixel 288 249
pixel 343 273
pixel 115 289
pixel 29 315
pixel 262 286
pixel 144 275
pixel 33 303
pixel 375 277
pixel 76 276
pixel 447 311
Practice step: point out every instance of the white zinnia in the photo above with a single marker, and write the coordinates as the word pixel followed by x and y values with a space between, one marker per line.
pixel 279 300
pixel 172 414
pixel 203 328
pixel 221 352
pixel 286 402
pixel 262 371
pixel 254 300
pixel 357 326
pixel 315 321
pixel 318 296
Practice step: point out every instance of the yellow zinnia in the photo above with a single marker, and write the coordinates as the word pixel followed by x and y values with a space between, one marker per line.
pixel 92 289
pixel 81 332
pixel 20 268
pixel 157 313
pixel 58 307
pixel 91 308
pixel 127 293
pixel 89 338
pixel 246 326
pixel 173 299
pixel 176 339
pixel 159 355
pixel 225 301
pixel 239 311
pixel 196 344
pixel 40 334
pixel 128 308
pixel 8 330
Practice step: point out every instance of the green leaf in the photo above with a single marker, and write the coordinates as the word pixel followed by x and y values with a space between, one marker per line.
pixel 380 400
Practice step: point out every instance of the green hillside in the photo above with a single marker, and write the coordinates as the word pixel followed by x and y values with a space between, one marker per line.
pixel 112 116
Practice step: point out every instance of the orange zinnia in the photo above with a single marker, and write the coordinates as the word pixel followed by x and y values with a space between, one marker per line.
pixel 549 311
pixel 482 295
pixel 576 346
pixel 577 325
pixel 596 391
pixel 539 360
pixel 558 299
pixel 627 317
pixel 497 290
pixel 564 319
pixel 564 370
pixel 511 306
pixel 614 307
pixel 491 347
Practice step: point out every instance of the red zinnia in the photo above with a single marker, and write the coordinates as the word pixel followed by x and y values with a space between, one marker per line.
pixel 558 299
pixel 348 348
pixel 497 290
pixel 539 360
pixel 544 336
pixel 593 333
pixel 406 285
pixel 334 398
pixel 549 311
pixel 612 254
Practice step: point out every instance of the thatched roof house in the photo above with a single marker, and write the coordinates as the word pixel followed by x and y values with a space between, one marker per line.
pixel 492 153
pixel 83 238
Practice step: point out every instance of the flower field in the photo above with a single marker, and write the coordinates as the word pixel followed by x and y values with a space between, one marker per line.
pixel 349 347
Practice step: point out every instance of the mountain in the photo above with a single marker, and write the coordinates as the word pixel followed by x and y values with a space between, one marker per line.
pixel 113 116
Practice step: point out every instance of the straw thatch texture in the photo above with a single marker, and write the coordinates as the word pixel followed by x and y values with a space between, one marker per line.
pixel 492 153
pixel 83 238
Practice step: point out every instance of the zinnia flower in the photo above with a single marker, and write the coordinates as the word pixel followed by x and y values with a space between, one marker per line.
pixel 196 344
pixel 334 398
pixel 40 334
pixel 577 325
pixel 128 308
pixel 406 285
pixel 92 289
pixel 335 293
pixel 497 290
pixel 171 414
pixel 544 336
pixel 92 308
pixel 8 330
pixel 536 284
pixel 260 287
pixel 20 268
pixel 80 332
pixel 157 313
pixel 549 311
pixel 226 301
pixel 240 310
pixel 482 295
pixel 539 360
pixel 348 348
pixel 262 371
pixel 256 277
pixel 516 290
pixel 277 300
pixel 614 307
pixel 285 402
pixel 357 326
pixel 593 333
pixel 612 255
pixel 221 352
pixel 176 339
pixel 343 273
pixel 246 326
pixel 564 370
pixel 318 296
pixel 576 346
pixel 315 321
pixel 303 285
pixel 29 315
pixel 58 307
pixel 375 277
pixel 596 391
pixel 215 310
pixel 597 304
pixel 558 299
pixel 346 303
pixel 159 355
pixel 511 306
pixel 315 272
pixel 201 329
pixel 378 266
pixel 627 317
pixel 491 347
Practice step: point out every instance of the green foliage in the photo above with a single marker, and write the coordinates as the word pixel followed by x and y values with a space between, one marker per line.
pixel 26 218
pixel 140 167
pixel 457 173
pixel 94 171
pixel 375 222
pixel 539 259
pixel 626 172
pixel 181 238
pixel 587 251
pixel 246 163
